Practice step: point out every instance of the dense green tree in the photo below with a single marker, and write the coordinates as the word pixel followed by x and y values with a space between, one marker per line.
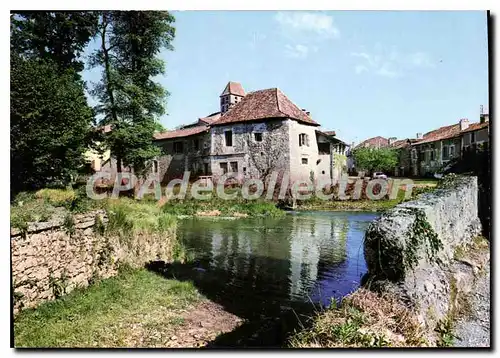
pixel 58 36
pixel 50 124
pixel 130 100
pixel 371 159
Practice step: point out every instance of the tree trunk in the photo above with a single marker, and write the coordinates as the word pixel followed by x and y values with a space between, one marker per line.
pixel 109 85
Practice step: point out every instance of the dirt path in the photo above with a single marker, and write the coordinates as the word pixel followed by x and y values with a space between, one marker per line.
pixel 200 325
pixel 474 331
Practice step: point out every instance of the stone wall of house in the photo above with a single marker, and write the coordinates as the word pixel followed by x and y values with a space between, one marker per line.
pixel 247 155
pixel 399 255
pixel 303 158
pixel 52 258
pixel 172 165
pixel 404 162
pixel 426 165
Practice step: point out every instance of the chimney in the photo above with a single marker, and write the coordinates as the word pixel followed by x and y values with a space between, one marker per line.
pixel 419 135
pixel 391 140
pixel 483 117
pixel 464 124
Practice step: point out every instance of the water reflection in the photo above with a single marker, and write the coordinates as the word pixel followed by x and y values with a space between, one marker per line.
pixel 297 258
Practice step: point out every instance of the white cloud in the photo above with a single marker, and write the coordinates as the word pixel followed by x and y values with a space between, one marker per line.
pixel 308 22
pixel 390 64
pixel 420 59
pixel 360 69
pixel 386 71
pixel 297 51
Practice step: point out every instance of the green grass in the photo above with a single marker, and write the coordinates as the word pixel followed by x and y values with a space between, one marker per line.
pixel 129 217
pixel 126 310
pixel 40 206
pixel 225 207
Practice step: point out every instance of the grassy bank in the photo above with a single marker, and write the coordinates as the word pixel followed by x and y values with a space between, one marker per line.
pixel 219 207
pixel 43 204
pixel 362 319
pixel 135 308
pixel 421 186
pixel 127 214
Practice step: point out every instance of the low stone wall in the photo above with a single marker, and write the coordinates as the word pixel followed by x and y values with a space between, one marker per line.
pixel 52 258
pixel 410 249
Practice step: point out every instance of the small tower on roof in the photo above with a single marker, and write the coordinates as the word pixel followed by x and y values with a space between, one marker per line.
pixel 232 94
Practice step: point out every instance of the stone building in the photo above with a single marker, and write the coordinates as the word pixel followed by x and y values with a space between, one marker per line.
pixel 427 154
pixel 436 149
pixel 251 136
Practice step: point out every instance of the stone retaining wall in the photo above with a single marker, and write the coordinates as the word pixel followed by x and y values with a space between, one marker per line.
pixel 399 255
pixel 52 258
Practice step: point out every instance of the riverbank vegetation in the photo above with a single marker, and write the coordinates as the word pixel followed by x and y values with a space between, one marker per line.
pixel 219 207
pixel 135 308
pixel 362 319
pixel 128 214
pixel 364 203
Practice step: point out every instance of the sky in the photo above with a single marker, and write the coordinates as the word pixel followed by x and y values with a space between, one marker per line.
pixel 360 73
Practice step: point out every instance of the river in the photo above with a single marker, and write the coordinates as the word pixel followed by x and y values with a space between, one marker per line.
pixel 301 257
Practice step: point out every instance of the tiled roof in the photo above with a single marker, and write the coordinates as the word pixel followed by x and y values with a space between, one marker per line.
pixel 211 118
pixel 331 133
pixel 264 104
pixel 233 88
pixel 476 126
pixel 400 143
pixel 375 142
pixel 180 133
pixel 441 133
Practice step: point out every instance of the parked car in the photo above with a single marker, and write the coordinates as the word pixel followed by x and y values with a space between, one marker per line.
pixel 379 175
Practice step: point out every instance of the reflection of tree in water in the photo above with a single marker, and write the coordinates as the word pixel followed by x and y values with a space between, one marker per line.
pixel 315 250
pixel 272 259
pixel 245 257
pixel 342 273
pixel 257 267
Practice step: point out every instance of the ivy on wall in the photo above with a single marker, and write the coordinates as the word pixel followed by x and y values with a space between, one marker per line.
pixel 420 233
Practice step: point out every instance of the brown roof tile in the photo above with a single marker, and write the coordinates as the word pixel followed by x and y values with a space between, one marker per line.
pixel 400 143
pixel 210 119
pixel 264 104
pixel 476 126
pixel 375 142
pixel 331 133
pixel 233 88
pixel 180 133
pixel 441 133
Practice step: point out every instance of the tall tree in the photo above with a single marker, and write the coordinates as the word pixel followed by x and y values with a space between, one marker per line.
pixel 130 100
pixel 59 36
pixel 51 122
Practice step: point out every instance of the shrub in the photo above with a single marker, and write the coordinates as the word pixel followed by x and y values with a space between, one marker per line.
pixel 31 211
pixel 127 216
pixel 57 197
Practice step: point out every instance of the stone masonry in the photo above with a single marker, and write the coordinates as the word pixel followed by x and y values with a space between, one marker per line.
pixel 51 259
pixel 427 286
